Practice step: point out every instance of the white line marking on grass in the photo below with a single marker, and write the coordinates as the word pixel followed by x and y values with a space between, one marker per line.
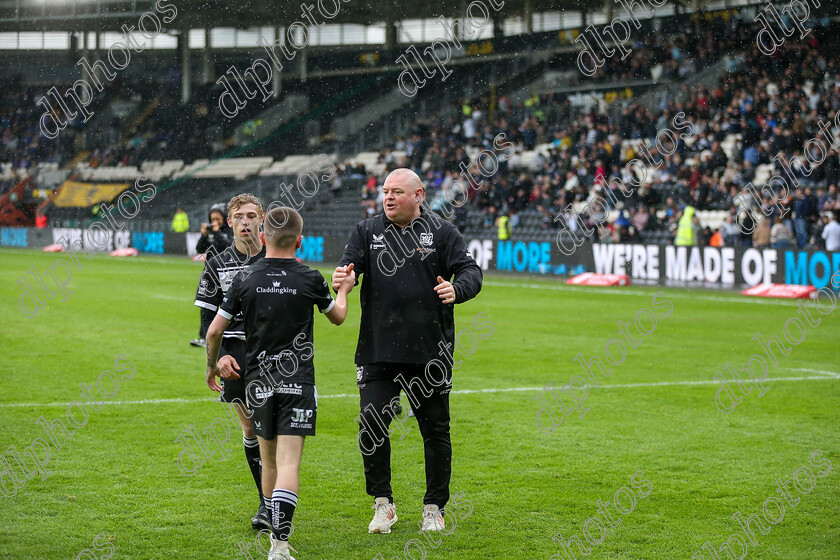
pixel 458 392
pixel 172 298
pixel 144 401
pixel 652 384
pixel 714 382
pixel 595 289
pixel 817 371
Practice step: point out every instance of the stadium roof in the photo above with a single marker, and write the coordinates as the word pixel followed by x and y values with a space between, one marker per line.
pixel 108 15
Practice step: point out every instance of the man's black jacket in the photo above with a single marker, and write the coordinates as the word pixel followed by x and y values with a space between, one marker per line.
pixel 403 318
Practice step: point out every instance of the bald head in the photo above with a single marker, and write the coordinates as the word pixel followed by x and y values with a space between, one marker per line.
pixel 407 178
pixel 402 192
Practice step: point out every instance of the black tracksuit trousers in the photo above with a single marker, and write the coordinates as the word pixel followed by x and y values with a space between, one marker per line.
pixel 427 390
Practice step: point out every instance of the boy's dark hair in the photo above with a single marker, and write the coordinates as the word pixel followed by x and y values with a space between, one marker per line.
pixel 282 227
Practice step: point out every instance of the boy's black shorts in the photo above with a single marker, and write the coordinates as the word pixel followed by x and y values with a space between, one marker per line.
pixel 233 390
pixel 289 410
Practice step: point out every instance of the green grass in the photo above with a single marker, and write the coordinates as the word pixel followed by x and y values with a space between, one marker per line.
pixel 118 475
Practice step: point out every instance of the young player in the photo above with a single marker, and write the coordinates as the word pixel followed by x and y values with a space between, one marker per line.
pixel 245 215
pixel 275 297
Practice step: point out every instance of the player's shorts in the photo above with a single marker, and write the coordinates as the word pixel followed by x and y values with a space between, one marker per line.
pixel 233 390
pixel 289 410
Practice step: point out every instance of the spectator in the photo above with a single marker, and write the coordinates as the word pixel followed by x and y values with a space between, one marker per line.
pixel 780 235
pixel 180 222
pixel 489 217
pixel 572 181
pixel 707 236
pixel 514 219
pixel 504 228
pixel 217 236
pixel 462 218
pixel 828 201
pixel 761 235
pixel 336 184
pixel 730 231
pixel 685 229
pixel 622 220
pixel 641 218
pixel 805 212
pixel 671 210
pixel 831 234
pixel 699 234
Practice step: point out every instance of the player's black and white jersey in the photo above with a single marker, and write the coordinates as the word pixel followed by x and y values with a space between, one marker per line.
pixel 217 278
pixel 403 319
pixel 275 297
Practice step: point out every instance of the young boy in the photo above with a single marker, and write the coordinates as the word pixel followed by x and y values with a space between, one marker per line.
pixel 245 216
pixel 276 296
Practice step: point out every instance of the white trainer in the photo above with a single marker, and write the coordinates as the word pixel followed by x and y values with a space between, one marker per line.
pixel 432 518
pixel 279 549
pixel 384 517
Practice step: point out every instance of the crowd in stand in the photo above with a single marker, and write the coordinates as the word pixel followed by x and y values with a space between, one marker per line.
pixel 21 143
pixel 770 105
pixel 177 131
pixel 699 42
pixel 171 130
pixel 774 104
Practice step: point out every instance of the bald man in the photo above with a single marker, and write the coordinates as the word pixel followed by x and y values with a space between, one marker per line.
pixel 416 267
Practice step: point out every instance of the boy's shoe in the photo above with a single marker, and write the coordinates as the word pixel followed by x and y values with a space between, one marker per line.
pixel 262 520
pixel 384 518
pixel 279 549
pixel 432 518
pixel 200 342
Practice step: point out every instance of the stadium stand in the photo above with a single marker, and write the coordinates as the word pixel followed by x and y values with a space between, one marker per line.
pixel 739 126
pixel 562 150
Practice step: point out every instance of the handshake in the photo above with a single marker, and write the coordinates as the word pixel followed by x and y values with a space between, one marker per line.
pixel 344 278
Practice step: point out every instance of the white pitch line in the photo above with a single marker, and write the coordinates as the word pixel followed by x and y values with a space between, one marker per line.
pixel 715 382
pixel 623 291
pixel 145 401
pixel 172 298
pixel 817 371
pixel 834 377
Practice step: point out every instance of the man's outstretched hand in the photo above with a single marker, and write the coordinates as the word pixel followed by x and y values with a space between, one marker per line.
pixel 445 290
pixel 349 279
pixel 341 274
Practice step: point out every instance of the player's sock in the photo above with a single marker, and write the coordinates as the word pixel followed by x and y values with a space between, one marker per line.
pixel 283 504
pixel 252 454
pixel 266 500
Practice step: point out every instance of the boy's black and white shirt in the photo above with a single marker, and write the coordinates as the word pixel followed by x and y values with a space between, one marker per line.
pixel 217 278
pixel 275 298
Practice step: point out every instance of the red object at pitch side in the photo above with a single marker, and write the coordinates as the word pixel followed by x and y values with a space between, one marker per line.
pixel 788 291
pixel 593 279
pixel 126 252
pixel 54 248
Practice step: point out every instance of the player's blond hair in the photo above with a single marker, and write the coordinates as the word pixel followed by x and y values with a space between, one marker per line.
pixel 241 199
